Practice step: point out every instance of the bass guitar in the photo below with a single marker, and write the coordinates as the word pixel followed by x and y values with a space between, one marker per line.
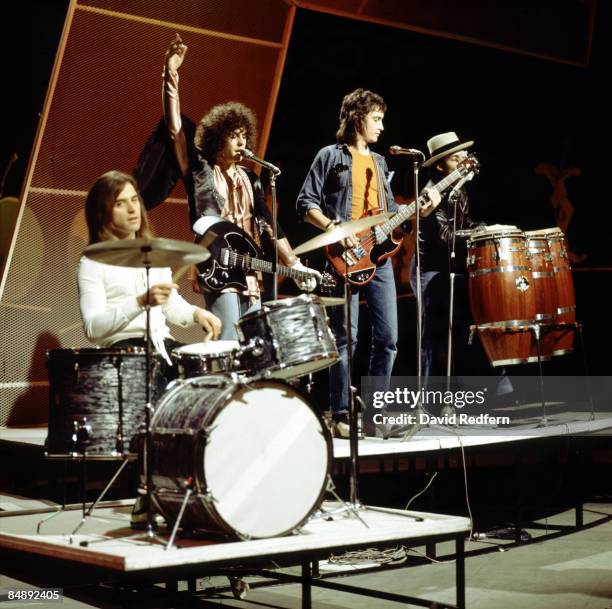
pixel 233 254
pixel 358 264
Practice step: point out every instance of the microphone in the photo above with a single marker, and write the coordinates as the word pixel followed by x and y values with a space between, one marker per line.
pixel 397 150
pixel 249 155
pixel 466 178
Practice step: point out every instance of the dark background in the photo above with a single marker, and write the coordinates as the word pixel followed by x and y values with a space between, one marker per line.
pixel 519 110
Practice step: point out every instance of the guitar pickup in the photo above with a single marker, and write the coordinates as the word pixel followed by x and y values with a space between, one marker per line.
pixel 224 257
pixel 349 258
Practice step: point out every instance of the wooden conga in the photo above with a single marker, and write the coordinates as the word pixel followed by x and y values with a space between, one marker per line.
pixel 501 293
pixel 544 290
pixel 565 303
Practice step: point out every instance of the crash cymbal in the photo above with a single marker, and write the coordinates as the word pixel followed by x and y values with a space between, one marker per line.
pixel 341 232
pixel 140 252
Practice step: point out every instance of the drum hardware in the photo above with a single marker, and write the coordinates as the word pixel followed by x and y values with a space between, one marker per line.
pixel 188 485
pixel 286 339
pixel 147 253
pixel 519 327
pixel 233 493
pixel 74 375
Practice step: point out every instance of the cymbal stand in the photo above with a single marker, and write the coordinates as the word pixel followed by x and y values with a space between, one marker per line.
pixel 148 473
pixel 353 422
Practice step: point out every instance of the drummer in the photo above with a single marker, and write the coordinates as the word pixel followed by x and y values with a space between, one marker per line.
pixel 446 151
pixel 112 298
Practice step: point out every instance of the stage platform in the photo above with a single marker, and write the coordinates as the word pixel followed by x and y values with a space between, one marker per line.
pixel 426 438
pixel 104 552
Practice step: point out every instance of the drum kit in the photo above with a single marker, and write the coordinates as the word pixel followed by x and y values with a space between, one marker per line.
pixel 220 445
pixel 521 293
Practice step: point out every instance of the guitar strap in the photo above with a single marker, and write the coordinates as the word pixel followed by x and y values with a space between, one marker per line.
pixel 244 178
pixel 382 186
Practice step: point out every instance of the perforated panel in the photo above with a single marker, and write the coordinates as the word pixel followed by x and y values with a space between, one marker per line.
pixel 106 102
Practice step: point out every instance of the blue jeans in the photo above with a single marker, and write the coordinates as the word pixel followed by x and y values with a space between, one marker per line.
pixel 380 297
pixel 229 307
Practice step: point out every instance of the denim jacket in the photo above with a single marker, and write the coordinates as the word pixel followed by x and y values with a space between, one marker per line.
pixel 328 185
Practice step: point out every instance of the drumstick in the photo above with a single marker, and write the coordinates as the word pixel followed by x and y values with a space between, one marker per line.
pixel 179 273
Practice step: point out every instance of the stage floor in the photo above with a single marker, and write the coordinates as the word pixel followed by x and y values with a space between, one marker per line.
pixel 426 439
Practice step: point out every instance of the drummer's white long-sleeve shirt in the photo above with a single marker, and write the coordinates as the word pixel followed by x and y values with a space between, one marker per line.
pixel 110 310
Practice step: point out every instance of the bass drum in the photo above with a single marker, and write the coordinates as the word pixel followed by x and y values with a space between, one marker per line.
pixel 256 455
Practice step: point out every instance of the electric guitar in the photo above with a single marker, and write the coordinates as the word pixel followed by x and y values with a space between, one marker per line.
pixel 233 253
pixel 358 264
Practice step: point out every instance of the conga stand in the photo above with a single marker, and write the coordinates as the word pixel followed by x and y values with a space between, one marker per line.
pixel 507 329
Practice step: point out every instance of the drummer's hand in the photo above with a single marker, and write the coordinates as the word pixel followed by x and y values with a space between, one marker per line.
pixel 175 54
pixel 432 198
pixel 158 294
pixel 311 283
pixel 210 323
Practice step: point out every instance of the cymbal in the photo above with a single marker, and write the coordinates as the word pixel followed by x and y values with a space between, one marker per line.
pixel 159 252
pixel 341 232
pixel 330 301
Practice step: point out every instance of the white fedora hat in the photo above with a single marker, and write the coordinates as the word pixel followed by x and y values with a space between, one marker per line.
pixel 442 145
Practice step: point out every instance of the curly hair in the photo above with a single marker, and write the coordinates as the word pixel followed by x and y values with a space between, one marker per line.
pixel 99 206
pixel 214 128
pixel 354 109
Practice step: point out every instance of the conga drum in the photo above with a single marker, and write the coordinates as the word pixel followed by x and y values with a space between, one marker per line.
pixel 565 311
pixel 501 293
pixel 544 290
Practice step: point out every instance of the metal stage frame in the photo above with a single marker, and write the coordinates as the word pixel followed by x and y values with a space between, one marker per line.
pixel 104 552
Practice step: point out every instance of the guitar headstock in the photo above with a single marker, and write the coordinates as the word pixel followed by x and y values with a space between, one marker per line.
pixel 470 163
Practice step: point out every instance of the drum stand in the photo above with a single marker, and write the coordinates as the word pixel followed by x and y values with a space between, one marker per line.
pixel 536 329
pixel 148 473
pixel 80 438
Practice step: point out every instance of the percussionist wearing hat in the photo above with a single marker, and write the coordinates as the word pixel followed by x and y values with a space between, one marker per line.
pixel 446 152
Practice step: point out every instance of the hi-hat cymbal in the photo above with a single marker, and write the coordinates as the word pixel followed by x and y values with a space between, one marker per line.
pixel 342 231
pixel 147 252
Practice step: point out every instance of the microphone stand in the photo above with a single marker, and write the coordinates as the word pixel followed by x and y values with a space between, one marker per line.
pixel 273 175
pixel 412 429
pixel 452 200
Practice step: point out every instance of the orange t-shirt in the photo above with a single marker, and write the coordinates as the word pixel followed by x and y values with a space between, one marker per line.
pixel 365 185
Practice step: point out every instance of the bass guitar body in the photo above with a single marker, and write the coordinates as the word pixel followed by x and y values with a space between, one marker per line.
pixel 358 264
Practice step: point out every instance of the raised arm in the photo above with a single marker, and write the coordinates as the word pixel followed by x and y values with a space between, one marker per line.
pixel 171 102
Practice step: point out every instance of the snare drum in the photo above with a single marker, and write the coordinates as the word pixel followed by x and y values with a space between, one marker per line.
pixel 212 357
pixel 256 453
pixel 97 400
pixel 287 338
pixel 501 293
pixel 565 311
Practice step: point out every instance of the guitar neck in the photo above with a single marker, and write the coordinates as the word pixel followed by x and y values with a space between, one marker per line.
pixel 248 263
pixel 406 212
